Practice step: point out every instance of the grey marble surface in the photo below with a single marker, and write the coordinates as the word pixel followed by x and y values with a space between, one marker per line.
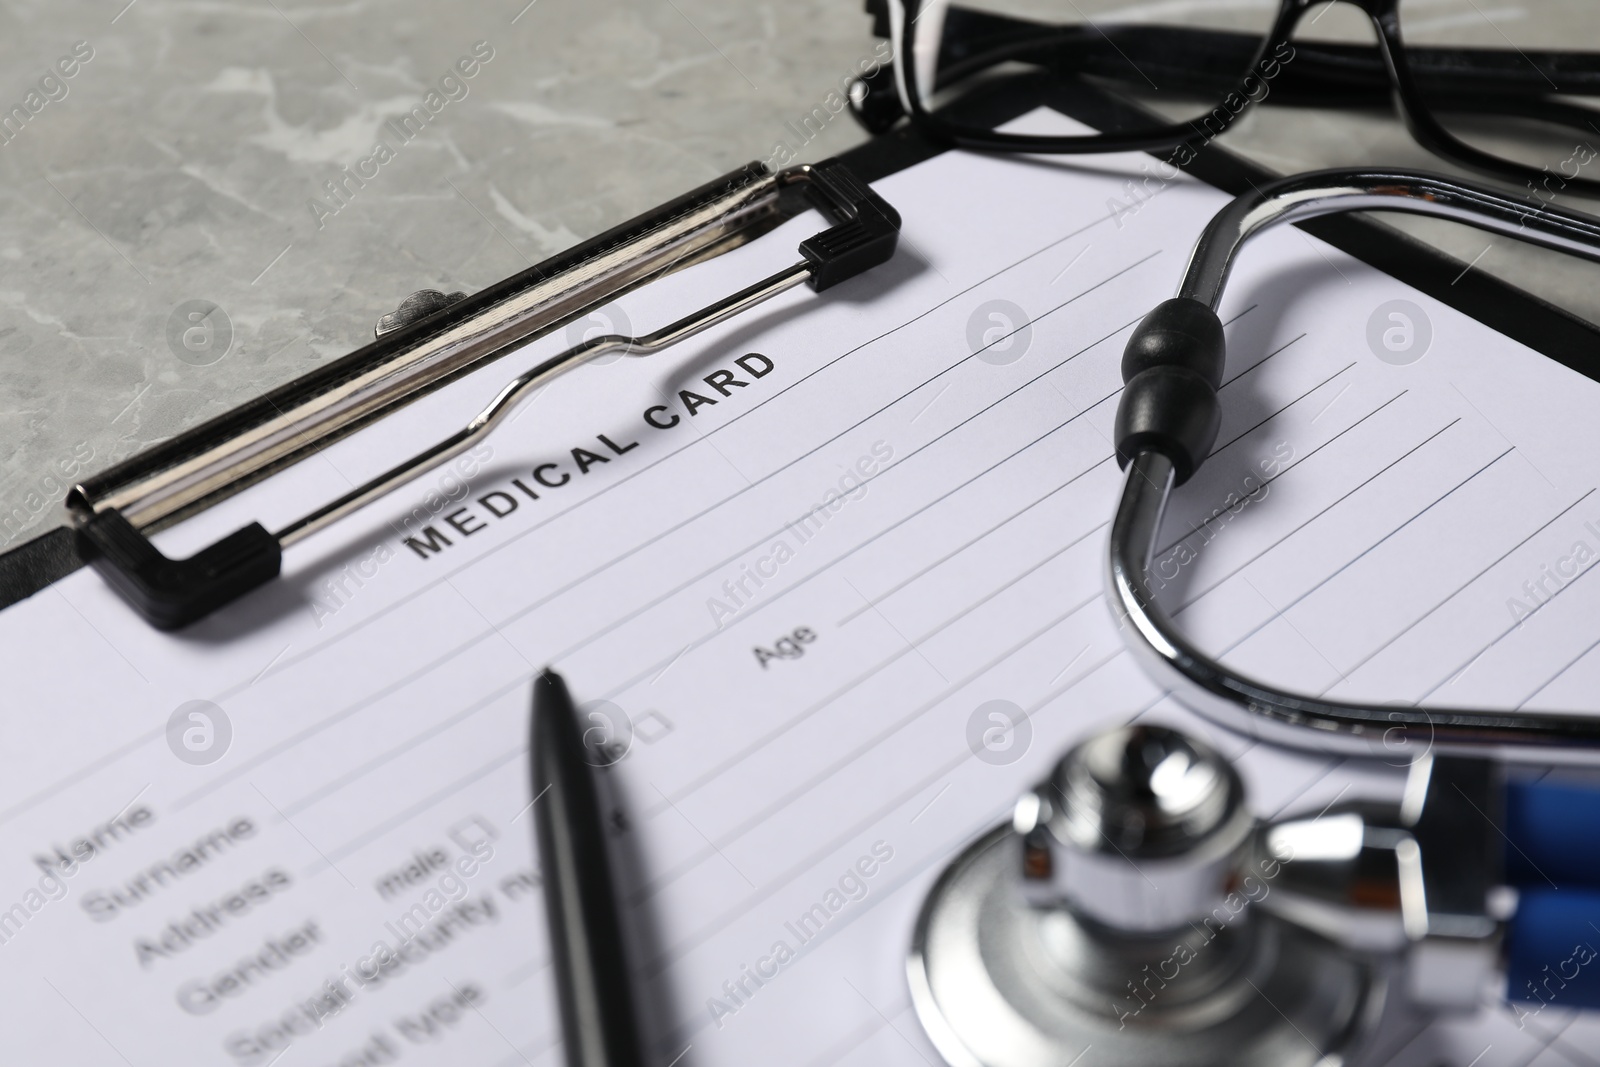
pixel 185 164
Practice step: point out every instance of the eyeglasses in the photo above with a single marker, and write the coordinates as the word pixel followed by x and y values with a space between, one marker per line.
pixel 1485 88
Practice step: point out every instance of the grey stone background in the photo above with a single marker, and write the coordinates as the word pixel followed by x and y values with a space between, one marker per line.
pixel 183 159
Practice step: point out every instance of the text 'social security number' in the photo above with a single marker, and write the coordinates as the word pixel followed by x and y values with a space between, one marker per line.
pixel 789 646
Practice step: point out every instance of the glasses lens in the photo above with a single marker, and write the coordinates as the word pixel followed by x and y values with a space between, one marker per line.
pixel 1183 56
pixel 1516 57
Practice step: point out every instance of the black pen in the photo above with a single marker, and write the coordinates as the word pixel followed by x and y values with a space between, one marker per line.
pixel 598 1023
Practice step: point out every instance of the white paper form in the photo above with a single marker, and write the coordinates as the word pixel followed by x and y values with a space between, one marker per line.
pixel 809 555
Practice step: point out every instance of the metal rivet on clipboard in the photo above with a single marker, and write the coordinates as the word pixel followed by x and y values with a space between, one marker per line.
pixel 429 340
pixel 414 308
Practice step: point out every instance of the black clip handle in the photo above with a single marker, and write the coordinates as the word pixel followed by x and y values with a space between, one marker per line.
pixel 865 231
pixel 175 592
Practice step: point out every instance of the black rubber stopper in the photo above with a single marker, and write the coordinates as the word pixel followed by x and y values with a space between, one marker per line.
pixel 1178 332
pixel 1172 367
pixel 1172 411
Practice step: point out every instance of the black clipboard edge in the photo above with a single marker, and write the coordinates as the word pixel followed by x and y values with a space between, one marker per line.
pixel 37 564
pixel 1543 327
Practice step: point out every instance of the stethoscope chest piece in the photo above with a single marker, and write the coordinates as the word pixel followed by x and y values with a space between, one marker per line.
pixel 1111 914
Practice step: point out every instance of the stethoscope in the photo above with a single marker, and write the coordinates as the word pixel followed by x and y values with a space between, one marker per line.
pixel 1134 907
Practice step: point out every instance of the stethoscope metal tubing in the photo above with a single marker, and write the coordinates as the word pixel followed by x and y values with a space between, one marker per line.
pixel 1394 731
pixel 1399 733
pixel 1332 192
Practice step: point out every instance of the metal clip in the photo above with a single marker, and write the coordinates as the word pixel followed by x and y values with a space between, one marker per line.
pixel 430 339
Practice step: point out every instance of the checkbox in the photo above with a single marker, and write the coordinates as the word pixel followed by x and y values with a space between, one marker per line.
pixel 652 726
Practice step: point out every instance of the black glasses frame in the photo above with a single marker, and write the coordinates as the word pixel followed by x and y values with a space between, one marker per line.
pixel 1203 62
pixel 1444 80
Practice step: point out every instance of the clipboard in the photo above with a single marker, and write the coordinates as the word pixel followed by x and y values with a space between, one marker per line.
pixel 114 510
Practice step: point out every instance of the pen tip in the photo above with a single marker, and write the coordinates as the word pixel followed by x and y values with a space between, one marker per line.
pixel 550 691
